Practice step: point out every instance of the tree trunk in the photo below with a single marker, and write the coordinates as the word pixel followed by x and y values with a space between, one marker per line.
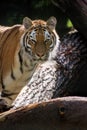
pixel 76 10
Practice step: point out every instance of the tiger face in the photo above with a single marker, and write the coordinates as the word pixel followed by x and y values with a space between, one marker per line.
pixel 39 38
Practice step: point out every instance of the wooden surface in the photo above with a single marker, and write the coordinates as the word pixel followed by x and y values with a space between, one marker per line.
pixel 67 113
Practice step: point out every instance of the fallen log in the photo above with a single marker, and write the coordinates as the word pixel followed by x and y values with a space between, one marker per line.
pixel 64 113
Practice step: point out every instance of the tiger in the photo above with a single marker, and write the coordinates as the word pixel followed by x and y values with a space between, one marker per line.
pixel 22 48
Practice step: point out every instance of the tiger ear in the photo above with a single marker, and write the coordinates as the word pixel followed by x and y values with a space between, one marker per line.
pixel 51 22
pixel 27 22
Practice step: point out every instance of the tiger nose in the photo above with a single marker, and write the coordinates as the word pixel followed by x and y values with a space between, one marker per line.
pixel 40 54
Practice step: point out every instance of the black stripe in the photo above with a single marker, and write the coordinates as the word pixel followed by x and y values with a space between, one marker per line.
pixel 21 61
pixel 24 39
pixel 12 74
pixel 7 94
pixel 27 50
pixel 2 83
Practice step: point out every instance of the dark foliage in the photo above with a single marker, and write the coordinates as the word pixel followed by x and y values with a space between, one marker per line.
pixel 13 11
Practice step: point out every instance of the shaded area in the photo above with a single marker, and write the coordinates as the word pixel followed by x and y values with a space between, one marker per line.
pixel 60 113
pixel 14 12
pixel 76 11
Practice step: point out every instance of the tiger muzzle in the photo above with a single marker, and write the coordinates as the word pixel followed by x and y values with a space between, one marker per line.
pixel 40 51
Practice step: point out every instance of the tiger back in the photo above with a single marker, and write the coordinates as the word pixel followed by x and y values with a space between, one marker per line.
pixel 22 48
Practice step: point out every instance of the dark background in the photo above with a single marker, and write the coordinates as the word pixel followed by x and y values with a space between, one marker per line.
pixel 13 11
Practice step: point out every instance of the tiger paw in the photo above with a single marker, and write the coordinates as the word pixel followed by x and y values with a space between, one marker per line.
pixel 4 105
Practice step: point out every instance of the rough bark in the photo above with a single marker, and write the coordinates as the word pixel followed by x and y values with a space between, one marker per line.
pixel 76 10
pixel 67 113
pixel 72 55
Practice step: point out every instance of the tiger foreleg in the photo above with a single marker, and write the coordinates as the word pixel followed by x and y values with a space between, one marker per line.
pixel 4 105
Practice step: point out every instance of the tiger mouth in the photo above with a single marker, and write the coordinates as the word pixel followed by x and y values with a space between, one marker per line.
pixel 37 58
pixel 40 59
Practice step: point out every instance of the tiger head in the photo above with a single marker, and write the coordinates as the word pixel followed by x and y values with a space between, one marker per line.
pixel 40 38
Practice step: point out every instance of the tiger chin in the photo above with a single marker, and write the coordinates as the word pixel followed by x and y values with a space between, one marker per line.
pixel 22 48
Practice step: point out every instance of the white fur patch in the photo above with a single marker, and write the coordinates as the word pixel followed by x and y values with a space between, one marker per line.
pixel 53 53
pixel 33 35
pixel 47 35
